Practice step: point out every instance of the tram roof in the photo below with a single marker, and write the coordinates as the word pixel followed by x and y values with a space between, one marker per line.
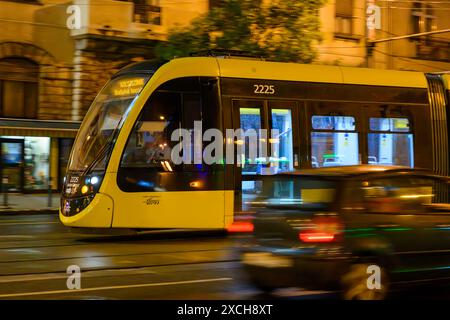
pixel 320 73
pixel 265 70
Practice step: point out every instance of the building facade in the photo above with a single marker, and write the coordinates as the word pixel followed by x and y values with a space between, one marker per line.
pixel 347 40
pixel 36 128
pixel 55 55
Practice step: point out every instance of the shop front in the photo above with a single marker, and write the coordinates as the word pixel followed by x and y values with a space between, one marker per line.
pixel 34 154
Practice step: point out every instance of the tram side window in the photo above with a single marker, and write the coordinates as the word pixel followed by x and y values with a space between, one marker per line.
pixel 390 142
pixel 192 112
pixel 149 144
pixel 334 141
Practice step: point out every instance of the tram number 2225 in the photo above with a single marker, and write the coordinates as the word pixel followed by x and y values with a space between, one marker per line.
pixel 263 89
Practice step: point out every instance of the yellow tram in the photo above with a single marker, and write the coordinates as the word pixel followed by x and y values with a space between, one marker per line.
pixel 121 172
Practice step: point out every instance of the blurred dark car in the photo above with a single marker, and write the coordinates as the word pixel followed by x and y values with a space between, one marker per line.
pixel 362 230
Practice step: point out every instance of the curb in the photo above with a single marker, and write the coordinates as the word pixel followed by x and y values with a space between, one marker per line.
pixel 27 211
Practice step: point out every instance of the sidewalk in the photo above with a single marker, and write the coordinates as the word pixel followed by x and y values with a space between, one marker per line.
pixel 19 203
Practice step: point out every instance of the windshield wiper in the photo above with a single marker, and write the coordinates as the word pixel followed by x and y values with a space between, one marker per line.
pixel 103 150
pixel 98 157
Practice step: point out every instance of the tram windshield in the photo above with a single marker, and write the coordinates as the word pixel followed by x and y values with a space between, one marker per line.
pixel 102 122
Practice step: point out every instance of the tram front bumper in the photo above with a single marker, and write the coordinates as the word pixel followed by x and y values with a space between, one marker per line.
pixel 97 214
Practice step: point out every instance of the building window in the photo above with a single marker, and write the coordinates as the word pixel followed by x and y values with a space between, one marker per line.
pixel 25 161
pixel 423 20
pixel 147 11
pixel 344 17
pixel 37 166
pixel 18 88
pixel 428 47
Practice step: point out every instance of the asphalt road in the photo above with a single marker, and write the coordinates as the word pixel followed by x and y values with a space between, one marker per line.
pixel 36 250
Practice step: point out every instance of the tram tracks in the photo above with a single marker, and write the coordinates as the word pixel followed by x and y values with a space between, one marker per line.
pixel 137 270
pixel 111 255
pixel 161 255
pixel 30 258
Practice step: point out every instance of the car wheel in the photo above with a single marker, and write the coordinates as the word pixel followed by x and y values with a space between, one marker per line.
pixel 357 282
pixel 261 285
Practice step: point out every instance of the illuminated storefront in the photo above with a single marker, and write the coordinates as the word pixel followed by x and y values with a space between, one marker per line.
pixel 34 154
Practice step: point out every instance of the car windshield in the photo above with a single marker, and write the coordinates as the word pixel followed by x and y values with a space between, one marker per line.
pixel 295 192
pixel 103 121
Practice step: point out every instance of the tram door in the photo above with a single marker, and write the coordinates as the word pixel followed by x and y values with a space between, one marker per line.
pixel 268 144
pixel 11 164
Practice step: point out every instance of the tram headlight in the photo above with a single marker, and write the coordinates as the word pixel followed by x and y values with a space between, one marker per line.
pixel 92 183
pixel 94 180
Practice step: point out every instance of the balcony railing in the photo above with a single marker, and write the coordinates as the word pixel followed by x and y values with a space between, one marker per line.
pixel 430 49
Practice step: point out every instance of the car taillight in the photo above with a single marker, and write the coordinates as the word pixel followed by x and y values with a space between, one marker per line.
pixel 322 229
pixel 241 226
